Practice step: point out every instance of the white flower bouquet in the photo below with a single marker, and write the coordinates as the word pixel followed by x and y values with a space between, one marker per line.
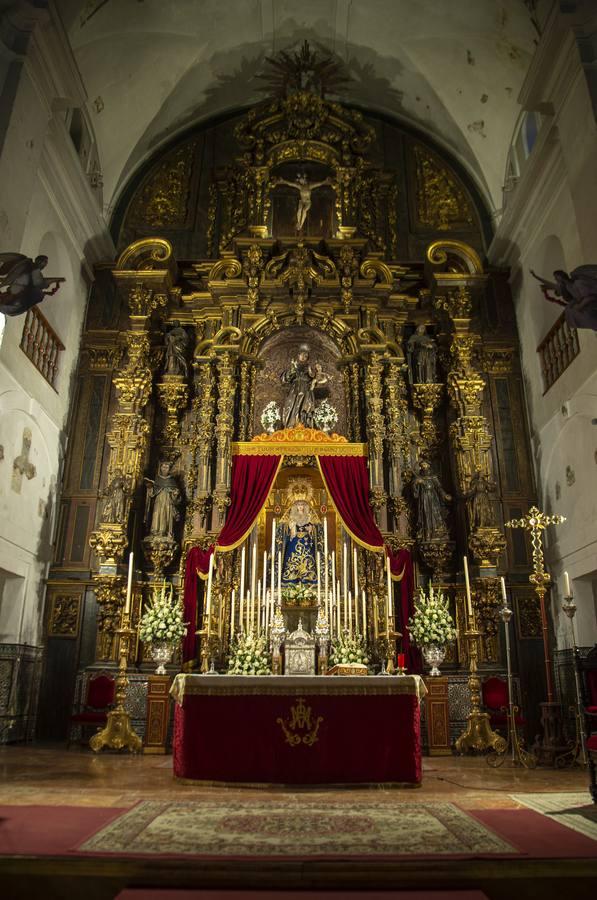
pixel 163 618
pixel 431 622
pixel 325 416
pixel 249 655
pixel 350 648
pixel 270 416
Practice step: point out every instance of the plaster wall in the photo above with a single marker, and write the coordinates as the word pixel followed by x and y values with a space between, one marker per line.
pixel 549 223
pixel 49 207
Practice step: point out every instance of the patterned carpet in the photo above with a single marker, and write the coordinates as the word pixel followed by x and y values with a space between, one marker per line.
pixel 574 810
pixel 296 828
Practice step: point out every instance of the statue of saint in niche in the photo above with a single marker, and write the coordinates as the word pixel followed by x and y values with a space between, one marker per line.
pixel 115 497
pixel 177 344
pixel 303 379
pixel 431 510
pixel 167 500
pixel 478 499
pixel 299 539
pixel 422 357
pixel 305 188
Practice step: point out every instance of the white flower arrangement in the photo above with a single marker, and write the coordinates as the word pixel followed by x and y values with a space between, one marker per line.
pixel 270 416
pixel 249 656
pixel 350 648
pixel 432 622
pixel 325 416
pixel 163 618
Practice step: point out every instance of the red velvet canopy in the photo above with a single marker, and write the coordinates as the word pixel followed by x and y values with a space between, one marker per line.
pixel 346 480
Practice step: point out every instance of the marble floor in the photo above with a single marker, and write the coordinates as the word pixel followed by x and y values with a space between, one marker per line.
pixel 53 775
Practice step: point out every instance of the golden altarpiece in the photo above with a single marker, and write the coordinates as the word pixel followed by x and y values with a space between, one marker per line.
pixel 301 223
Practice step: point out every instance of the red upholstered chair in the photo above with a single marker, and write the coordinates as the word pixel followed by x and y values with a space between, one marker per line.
pixel 588 682
pixel 99 699
pixel 495 701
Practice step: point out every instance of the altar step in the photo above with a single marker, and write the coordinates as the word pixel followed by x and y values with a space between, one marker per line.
pixel 166 894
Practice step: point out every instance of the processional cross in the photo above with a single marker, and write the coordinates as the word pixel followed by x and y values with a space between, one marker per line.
pixel 536 522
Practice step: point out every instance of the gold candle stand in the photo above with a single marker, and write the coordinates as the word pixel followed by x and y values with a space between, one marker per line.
pixel 478 735
pixel 118 733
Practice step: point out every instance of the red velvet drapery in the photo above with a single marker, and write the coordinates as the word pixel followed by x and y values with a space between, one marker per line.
pixel 347 481
pixel 251 481
pixel 197 561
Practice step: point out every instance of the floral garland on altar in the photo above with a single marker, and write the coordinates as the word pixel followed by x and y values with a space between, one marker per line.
pixel 432 622
pixel 350 648
pixel 249 655
pixel 163 619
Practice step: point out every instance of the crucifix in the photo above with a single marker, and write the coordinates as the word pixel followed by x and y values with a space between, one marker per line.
pixel 21 464
pixel 536 522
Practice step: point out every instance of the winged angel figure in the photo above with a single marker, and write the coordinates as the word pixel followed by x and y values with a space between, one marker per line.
pixel 576 292
pixel 23 284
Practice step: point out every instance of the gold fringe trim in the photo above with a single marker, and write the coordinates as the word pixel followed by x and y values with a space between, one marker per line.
pixel 286 686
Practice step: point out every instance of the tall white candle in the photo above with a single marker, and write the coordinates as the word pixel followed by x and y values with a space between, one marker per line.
pixel 318 578
pixel 273 557
pixel 567 585
pixel 129 586
pixel 209 584
pixel 345 569
pixel 339 604
pixel 334 575
pixel 325 557
pixel 248 610
pixel 469 602
pixel 232 614
pixel 503 584
pixel 264 588
pixel 356 612
pixel 242 575
pixel 355 571
pixel 364 601
pixel 280 578
pixel 349 612
pixel 254 569
pixel 389 605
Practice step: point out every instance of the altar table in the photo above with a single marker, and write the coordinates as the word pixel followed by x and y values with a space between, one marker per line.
pixel 298 729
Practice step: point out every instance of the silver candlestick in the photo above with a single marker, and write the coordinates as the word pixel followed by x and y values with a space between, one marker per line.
pixel 518 755
pixel 578 753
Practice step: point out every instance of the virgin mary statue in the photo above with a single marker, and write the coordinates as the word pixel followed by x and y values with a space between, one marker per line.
pixel 299 540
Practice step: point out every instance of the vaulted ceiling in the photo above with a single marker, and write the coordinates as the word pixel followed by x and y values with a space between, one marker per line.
pixel 450 68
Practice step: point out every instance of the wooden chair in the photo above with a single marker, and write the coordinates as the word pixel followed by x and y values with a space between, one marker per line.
pixel 495 701
pixel 99 700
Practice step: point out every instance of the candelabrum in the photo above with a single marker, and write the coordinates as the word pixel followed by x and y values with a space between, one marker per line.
pixel 518 755
pixel 277 633
pixel 322 633
pixel 478 735
pixel 577 755
pixel 118 732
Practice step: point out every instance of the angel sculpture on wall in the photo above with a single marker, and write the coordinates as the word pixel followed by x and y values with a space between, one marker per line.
pixel 305 189
pixel 576 292
pixel 22 284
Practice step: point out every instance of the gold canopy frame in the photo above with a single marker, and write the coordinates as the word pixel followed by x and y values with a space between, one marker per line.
pixel 299 441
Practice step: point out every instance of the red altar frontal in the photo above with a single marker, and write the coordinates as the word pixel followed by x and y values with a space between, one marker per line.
pixel 298 730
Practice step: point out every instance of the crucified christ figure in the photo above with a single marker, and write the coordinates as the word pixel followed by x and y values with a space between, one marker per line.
pixel 305 189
